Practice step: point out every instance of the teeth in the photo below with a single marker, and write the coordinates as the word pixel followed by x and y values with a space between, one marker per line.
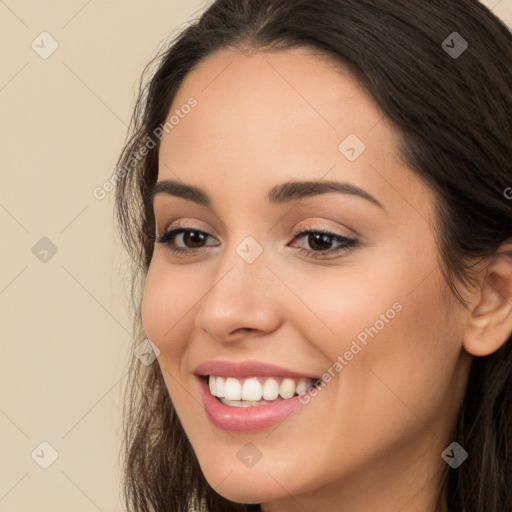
pixel 270 389
pixel 251 391
pixel 302 386
pixel 233 389
pixel 287 388
pixel 220 386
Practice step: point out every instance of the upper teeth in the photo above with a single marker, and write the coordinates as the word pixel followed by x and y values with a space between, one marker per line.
pixel 254 389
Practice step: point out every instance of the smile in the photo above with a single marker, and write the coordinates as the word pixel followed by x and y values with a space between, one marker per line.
pixel 255 391
pixel 271 401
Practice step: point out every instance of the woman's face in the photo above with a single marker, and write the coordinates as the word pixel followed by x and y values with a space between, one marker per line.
pixel 375 314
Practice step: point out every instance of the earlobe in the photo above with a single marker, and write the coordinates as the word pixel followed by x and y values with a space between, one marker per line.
pixel 489 324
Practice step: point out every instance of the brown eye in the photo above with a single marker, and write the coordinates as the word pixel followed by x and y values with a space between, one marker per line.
pixel 183 240
pixel 191 239
pixel 320 243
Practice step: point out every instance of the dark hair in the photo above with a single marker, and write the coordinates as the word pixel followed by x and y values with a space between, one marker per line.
pixel 454 115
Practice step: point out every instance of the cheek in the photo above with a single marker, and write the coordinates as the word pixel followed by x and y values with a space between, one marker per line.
pixel 165 304
pixel 167 301
pixel 336 306
pixel 402 375
pixel 399 348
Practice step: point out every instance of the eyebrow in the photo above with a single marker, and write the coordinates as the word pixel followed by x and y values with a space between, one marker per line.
pixel 280 194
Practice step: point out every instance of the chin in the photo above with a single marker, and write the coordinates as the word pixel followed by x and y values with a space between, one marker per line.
pixel 246 485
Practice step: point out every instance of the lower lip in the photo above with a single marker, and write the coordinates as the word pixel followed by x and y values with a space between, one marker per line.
pixel 246 419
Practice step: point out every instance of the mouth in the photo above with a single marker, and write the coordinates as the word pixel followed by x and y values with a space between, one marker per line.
pixel 253 403
pixel 256 391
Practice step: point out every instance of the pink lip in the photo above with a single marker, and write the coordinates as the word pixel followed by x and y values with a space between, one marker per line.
pixel 244 369
pixel 246 419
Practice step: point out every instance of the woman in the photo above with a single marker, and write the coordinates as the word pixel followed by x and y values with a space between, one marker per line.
pixel 314 195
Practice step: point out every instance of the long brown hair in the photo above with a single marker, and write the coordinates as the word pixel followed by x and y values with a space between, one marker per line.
pixel 454 113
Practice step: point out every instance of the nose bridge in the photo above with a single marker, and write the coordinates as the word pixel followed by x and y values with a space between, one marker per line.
pixel 238 298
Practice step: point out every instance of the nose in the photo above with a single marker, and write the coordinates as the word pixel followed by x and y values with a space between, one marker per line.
pixel 238 303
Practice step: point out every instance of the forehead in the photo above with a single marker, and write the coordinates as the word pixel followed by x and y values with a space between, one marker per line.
pixel 276 98
pixel 269 117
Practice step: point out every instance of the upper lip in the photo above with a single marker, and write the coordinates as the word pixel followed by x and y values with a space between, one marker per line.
pixel 243 369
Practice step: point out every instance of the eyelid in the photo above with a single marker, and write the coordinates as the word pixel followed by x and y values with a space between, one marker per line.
pixel 174 229
pixel 348 244
pixel 186 224
pixel 308 226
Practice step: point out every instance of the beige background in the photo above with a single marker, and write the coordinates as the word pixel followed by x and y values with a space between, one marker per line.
pixel 64 321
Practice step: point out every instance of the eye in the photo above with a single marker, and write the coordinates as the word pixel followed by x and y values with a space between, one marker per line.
pixel 193 239
pixel 184 240
pixel 321 240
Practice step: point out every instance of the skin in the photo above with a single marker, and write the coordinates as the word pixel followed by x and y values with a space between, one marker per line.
pixel 372 437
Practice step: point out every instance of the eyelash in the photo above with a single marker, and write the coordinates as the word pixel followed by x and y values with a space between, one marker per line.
pixel 347 243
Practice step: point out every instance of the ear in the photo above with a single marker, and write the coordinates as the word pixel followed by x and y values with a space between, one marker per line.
pixel 489 324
